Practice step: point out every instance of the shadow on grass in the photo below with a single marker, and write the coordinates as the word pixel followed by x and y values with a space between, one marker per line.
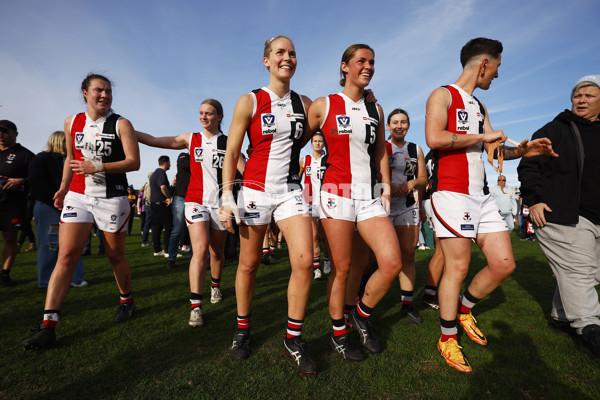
pixel 529 375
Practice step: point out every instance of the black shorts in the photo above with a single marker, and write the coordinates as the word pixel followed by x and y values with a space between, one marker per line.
pixel 11 220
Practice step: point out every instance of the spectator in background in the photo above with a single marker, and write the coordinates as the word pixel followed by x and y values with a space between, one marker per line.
pixel 160 202
pixel 183 179
pixel 506 201
pixel 45 174
pixel 14 170
pixel 149 216
pixel 132 197
pixel 563 197
pixel 141 209
pixel 27 231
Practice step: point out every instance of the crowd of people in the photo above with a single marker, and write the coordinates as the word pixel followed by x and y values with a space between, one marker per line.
pixel 359 205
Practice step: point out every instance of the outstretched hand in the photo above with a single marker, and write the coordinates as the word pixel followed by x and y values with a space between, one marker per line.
pixel 537 147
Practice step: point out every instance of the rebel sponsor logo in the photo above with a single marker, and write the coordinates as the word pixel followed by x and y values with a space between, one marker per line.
pixel 467 227
pixel 467 216
pixel 198 154
pixel 462 120
pixel 343 124
pixel 251 215
pixel 196 216
pixel 69 215
pixel 268 124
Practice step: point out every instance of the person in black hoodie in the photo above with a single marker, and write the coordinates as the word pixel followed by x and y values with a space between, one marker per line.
pixel 563 196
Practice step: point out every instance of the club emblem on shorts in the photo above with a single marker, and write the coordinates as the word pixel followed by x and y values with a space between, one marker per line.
pixel 251 205
pixel 69 208
pixel 343 124
pixel 467 216
pixel 331 203
pixel 268 124
pixel 198 154
pixel 113 217
pixel 195 210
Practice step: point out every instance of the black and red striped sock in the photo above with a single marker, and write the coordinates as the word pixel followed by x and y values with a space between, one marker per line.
pixel 449 329
pixel 294 327
pixel 467 302
pixel 126 298
pixel 316 262
pixel 362 310
pixel 243 322
pixel 406 298
pixel 348 309
pixel 195 300
pixel 339 327
pixel 215 282
pixel 51 318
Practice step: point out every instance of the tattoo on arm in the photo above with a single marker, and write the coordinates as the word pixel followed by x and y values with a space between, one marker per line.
pixel 454 138
pixel 511 153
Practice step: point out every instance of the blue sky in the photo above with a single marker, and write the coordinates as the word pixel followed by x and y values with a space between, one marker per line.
pixel 166 57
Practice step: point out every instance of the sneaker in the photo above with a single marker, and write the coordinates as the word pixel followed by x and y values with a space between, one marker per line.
pixel 562 328
pixel 43 336
pixel 411 314
pixel 468 322
pixel 145 244
pixel 196 317
pixel 5 280
pixel 431 302
pixel 589 341
pixel 160 253
pixel 265 259
pixel 367 335
pixel 80 284
pixel 240 349
pixel 170 264
pixel 296 350
pixel 215 295
pixel 185 248
pixel 453 355
pixel 125 312
pixel 177 256
pixel 342 345
pixel 326 266
pixel 318 274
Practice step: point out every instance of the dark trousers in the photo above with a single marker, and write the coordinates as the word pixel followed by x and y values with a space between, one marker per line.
pixel 163 218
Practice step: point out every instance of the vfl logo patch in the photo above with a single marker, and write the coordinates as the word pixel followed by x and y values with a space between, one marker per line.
pixel 462 120
pixel 113 217
pixel 198 154
pixel 79 137
pixel 268 124
pixel 343 124
pixel 467 216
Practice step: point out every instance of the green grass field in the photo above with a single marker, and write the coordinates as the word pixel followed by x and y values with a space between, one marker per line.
pixel 157 355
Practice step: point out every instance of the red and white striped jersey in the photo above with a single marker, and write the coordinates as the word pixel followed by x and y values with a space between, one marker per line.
pixel 462 170
pixel 206 167
pixel 350 132
pixel 275 133
pixel 98 141
pixel 313 173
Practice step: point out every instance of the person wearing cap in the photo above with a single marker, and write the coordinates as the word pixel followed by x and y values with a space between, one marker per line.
pixel 563 196
pixel 14 169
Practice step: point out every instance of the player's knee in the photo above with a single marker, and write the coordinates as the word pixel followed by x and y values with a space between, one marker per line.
pixel 503 269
